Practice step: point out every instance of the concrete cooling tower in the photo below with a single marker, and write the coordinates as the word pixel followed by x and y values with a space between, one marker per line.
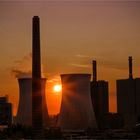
pixel 76 107
pixel 24 114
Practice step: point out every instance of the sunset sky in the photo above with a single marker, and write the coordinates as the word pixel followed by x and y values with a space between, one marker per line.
pixel 73 33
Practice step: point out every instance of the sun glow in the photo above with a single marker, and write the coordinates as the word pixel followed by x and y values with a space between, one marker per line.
pixel 57 88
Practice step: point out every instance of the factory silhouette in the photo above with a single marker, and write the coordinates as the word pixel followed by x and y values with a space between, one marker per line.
pixel 85 103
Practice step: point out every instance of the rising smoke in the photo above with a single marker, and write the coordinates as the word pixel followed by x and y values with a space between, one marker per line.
pixel 23 68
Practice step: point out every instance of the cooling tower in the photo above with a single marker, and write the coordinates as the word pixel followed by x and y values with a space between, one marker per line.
pixel 24 114
pixel 76 107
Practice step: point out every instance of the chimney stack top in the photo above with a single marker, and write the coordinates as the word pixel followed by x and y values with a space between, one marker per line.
pixel 36 17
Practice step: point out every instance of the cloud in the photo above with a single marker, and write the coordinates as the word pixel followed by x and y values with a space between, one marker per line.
pixel 82 56
pixel 113 64
pixel 80 65
pixel 54 79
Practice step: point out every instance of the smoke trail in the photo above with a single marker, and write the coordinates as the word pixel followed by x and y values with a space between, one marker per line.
pixel 20 74
pixel 23 68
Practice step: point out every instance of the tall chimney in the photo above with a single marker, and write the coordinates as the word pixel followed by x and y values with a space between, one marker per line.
pixel 94 71
pixel 37 117
pixel 36 48
pixel 130 68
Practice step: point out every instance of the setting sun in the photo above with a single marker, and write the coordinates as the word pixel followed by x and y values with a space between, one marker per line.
pixel 57 88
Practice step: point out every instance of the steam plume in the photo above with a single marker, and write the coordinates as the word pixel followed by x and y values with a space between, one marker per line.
pixel 23 68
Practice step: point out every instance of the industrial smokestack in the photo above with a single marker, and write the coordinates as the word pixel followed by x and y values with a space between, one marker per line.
pixel 130 68
pixel 36 64
pixel 37 117
pixel 94 71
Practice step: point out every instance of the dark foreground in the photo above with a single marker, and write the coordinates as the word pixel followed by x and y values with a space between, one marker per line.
pixel 21 132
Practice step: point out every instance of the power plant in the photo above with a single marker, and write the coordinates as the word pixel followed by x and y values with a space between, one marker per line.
pixel 85 103
pixel 5 111
pixel 99 96
pixel 76 111
pixel 128 98
pixel 24 114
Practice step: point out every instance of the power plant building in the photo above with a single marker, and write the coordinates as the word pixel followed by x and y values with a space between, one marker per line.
pixel 24 114
pixel 5 111
pixel 137 89
pixel 128 98
pixel 99 96
pixel 103 99
pixel 76 111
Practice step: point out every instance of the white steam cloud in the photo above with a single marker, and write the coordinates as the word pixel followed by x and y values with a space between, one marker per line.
pixel 23 68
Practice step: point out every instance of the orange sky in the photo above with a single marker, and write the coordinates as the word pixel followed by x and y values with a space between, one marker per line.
pixel 72 34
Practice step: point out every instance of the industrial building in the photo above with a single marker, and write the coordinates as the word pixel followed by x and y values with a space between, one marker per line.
pixel 128 98
pixel 24 113
pixel 76 111
pixel 99 96
pixel 5 111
